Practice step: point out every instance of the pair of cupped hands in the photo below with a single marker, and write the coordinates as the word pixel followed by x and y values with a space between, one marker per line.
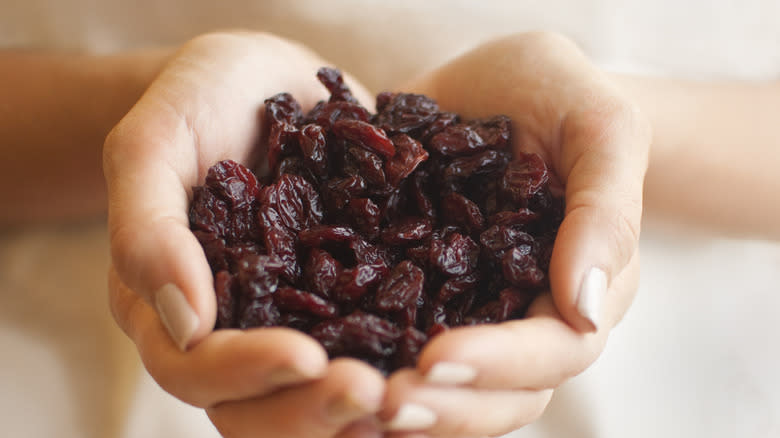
pixel 276 382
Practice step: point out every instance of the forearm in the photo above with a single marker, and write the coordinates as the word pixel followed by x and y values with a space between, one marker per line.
pixel 55 112
pixel 715 155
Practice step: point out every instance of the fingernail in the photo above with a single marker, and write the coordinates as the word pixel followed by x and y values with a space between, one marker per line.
pixel 591 297
pixel 450 373
pixel 411 416
pixel 348 407
pixel 176 314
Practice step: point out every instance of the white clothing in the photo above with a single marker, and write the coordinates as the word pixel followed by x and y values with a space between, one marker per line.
pixel 696 355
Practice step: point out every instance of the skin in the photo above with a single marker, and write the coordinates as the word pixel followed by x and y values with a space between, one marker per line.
pixel 56 111
pixel 597 143
pixel 200 105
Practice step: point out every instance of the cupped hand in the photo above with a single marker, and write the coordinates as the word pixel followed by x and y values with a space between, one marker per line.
pixel 204 107
pixel 491 379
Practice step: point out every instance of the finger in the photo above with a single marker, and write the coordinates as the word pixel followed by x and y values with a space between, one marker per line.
pixel 367 427
pixel 604 158
pixel 201 109
pixel 350 391
pixel 412 405
pixel 226 365
pixel 540 351
pixel 151 244
pixel 595 139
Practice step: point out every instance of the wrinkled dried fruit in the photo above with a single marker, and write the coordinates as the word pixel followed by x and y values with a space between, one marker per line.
pixel 373 233
pixel 401 288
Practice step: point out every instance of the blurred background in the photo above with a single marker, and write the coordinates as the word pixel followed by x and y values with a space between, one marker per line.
pixel 695 356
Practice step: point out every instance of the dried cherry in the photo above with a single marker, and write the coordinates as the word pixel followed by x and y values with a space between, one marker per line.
pixel 375 232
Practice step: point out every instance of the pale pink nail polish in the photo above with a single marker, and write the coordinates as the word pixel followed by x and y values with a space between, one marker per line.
pixel 176 314
pixel 591 296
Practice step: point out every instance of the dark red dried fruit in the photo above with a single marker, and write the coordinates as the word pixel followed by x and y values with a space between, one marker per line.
pixel 457 255
pixel 282 113
pixel 320 234
pixel 409 347
pixel 367 164
pixel 456 286
pixel 358 333
pixel 524 178
pixel 499 238
pixel 353 283
pixel 509 302
pixel 408 231
pixel 373 233
pixel 280 242
pixel 401 288
pixel 226 302
pixel 311 140
pixel 365 215
pixel 481 163
pixel 368 254
pixel 295 200
pixel 443 120
pixel 406 113
pixel 233 183
pixel 520 217
pixel 419 195
pixel 321 272
pixel 472 137
pixel 258 275
pixel 295 300
pixel 259 313
pixel 520 268
pixel 326 114
pixel 336 193
pixel 334 82
pixel 365 135
pixel 459 210
pixel 409 153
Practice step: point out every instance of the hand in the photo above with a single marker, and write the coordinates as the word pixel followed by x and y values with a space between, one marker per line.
pixel 491 379
pixel 202 108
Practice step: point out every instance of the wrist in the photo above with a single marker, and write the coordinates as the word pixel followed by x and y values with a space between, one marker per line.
pixel 59 108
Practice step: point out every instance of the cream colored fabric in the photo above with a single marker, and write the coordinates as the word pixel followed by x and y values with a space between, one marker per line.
pixel 696 356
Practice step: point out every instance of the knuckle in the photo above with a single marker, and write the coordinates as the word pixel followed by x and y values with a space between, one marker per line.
pixel 124 241
pixel 626 231
pixel 534 411
pixel 590 353
pixel 174 381
pixel 541 38
pixel 218 417
pixel 462 425
pixel 113 149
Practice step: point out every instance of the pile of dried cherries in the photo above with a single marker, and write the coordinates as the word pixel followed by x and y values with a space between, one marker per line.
pixel 374 232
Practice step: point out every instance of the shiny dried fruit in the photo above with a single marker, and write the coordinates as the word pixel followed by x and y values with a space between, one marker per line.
pixel 311 140
pixel 409 153
pixel 461 211
pixel 401 288
pixel 405 113
pixel 365 135
pixel 321 272
pixel 282 113
pixel 334 82
pixel 407 231
pixel 373 233
pixel 457 255
pixel 472 137
pixel 358 333
pixel 524 178
pixel 295 300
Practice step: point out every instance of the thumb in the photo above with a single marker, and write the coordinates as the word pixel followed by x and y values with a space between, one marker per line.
pixel 155 253
pixel 603 163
